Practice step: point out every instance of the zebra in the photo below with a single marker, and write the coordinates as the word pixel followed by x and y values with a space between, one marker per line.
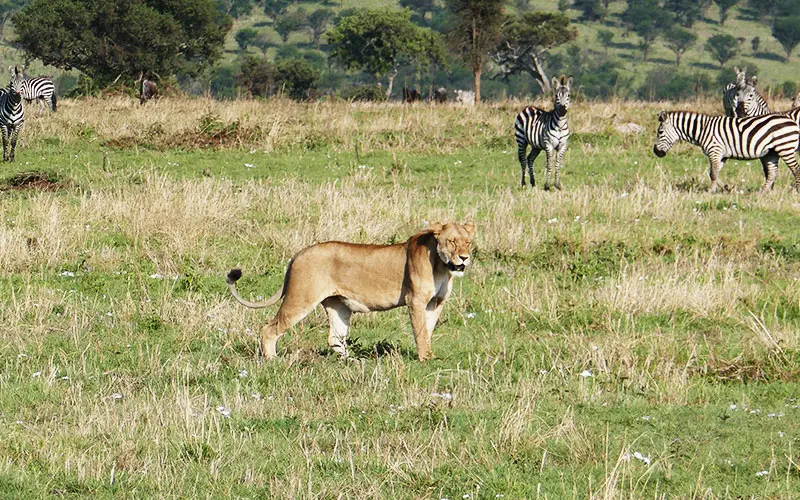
pixel 730 90
pixel 12 116
pixel 749 102
pixel 767 137
pixel 41 89
pixel 545 130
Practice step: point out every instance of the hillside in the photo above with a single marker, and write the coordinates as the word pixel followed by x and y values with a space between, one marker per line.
pixel 581 57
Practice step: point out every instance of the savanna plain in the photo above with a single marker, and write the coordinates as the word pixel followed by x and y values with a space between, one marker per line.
pixel 631 336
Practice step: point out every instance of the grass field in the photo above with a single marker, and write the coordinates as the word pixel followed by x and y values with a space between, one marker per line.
pixel 631 336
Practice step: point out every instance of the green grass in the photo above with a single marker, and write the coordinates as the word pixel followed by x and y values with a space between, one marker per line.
pixel 681 304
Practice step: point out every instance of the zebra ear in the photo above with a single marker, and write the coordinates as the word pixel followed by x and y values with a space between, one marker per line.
pixel 662 116
pixel 569 82
pixel 753 81
pixel 555 83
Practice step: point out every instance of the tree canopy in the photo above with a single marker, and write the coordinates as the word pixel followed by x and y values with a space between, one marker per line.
pixel 787 31
pixel 647 20
pixel 524 40
pixel 723 48
pixel 123 37
pixel 679 40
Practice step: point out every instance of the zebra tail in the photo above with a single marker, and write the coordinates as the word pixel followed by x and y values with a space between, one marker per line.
pixel 54 101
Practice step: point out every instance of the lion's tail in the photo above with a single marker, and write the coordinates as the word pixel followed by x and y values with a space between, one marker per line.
pixel 234 276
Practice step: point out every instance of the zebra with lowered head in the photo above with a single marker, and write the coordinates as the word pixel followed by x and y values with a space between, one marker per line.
pixel 12 116
pixel 766 137
pixel 40 89
pixel 545 130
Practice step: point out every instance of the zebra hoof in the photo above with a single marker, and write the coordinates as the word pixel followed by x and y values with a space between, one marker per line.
pixel 557 186
pixel 547 187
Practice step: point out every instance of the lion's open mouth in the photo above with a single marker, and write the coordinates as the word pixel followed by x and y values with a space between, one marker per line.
pixel 456 267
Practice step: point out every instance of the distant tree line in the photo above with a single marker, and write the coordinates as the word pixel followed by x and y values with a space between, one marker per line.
pixel 361 53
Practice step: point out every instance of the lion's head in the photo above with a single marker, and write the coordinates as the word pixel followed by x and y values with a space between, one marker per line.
pixel 453 244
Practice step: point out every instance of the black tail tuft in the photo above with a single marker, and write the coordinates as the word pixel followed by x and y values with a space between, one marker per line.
pixel 234 276
pixel 55 102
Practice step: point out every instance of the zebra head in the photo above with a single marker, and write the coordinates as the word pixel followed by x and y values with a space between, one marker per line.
pixel 746 99
pixel 15 85
pixel 667 134
pixel 561 90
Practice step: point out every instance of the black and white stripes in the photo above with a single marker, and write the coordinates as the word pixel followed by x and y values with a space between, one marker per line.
pixel 749 102
pixel 729 93
pixel 12 116
pixel 545 130
pixel 766 137
pixel 40 89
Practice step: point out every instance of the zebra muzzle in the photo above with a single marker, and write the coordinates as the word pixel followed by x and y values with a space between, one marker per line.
pixel 658 152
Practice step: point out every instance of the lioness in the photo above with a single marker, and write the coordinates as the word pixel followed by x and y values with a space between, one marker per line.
pixel 348 278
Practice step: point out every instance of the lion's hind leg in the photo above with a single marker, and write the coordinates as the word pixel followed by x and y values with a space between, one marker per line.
pixel 297 304
pixel 339 319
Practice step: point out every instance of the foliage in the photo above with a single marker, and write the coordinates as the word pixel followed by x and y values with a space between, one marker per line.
pixel 367 92
pixel 286 24
pixel 728 75
pixel 375 41
pixel 262 78
pixel 123 37
pixel 318 23
pixel 591 10
pixel 685 12
pixel 524 41
pixel 475 31
pixel 724 7
pixel 648 20
pixel 667 84
pixel 7 9
pixel 679 40
pixel 722 47
pixel 606 38
pixel 276 8
pixel 787 31
pixel 421 10
pixel 755 43
pixel 235 8
pixel 245 37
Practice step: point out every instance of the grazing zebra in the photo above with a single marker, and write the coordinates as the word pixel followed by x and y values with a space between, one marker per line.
pixel 767 137
pixel 545 130
pixel 749 102
pixel 730 90
pixel 12 116
pixel 41 89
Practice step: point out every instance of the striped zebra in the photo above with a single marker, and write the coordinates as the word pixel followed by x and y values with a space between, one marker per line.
pixel 40 89
pixel 729 92
pixel 545 130
pixel 12 116
pixel 749 102
pixel 766 137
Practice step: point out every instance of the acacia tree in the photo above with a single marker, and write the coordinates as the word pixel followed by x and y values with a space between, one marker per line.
pixel 235 8
pixel 647 20
pixel 123 37
pixel 7 9
pixel 787 31
pixel 679 40
pixel 375 41
pixel 723 48
pixel 245 37
pixel 525 40
pixel 724 7
pixel 286 24
pixel 318 23
pixel 476 28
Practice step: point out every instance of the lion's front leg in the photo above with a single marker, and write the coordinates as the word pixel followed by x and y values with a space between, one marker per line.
pixel 419 325
pixel 432 313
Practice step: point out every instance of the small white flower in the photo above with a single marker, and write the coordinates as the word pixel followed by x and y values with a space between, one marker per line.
pixel 225 412
pixel 20 422
pixel 577 218
pixel 775 415
pixel 762 473
pixel 543 372
pixel 553 220
pixel 635 162
pixel 243 374
pixel 256 396
pixel 22 355
pixel 68 274
pixel 642 458
pixel 781 434
pixel 116 395
pixel 623 195
pixel 109 314
pixel 36 374
pixel 249 165
pixel 647 418
pixel 470 315
pixel 65 377
pixel 157 276
pixel 586 374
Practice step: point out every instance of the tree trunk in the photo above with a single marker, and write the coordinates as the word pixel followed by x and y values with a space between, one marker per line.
pixel 391 82
pixel 677 59
pixel 477 86
pixel 541 79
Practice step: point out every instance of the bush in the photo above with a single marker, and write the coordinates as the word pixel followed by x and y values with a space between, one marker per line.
pixel 666 83
pixel 789 89
pixel 367 92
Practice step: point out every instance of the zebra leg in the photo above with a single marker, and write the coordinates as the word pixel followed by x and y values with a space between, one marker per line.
pixel 791 162
pixel 531 158
pixel 770 164
pixel 715 166
pixel 550 158
pixel 521 155
pixel 559 161
pixel 5 142
pixel 14 136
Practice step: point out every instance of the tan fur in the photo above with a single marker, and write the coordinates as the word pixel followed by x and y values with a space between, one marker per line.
pixel 349 278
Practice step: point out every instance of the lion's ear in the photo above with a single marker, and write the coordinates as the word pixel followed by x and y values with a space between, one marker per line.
pixel 469 227
pixel 436 227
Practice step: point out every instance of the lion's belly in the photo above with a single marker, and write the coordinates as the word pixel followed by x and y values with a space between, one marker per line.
pixel 361 305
